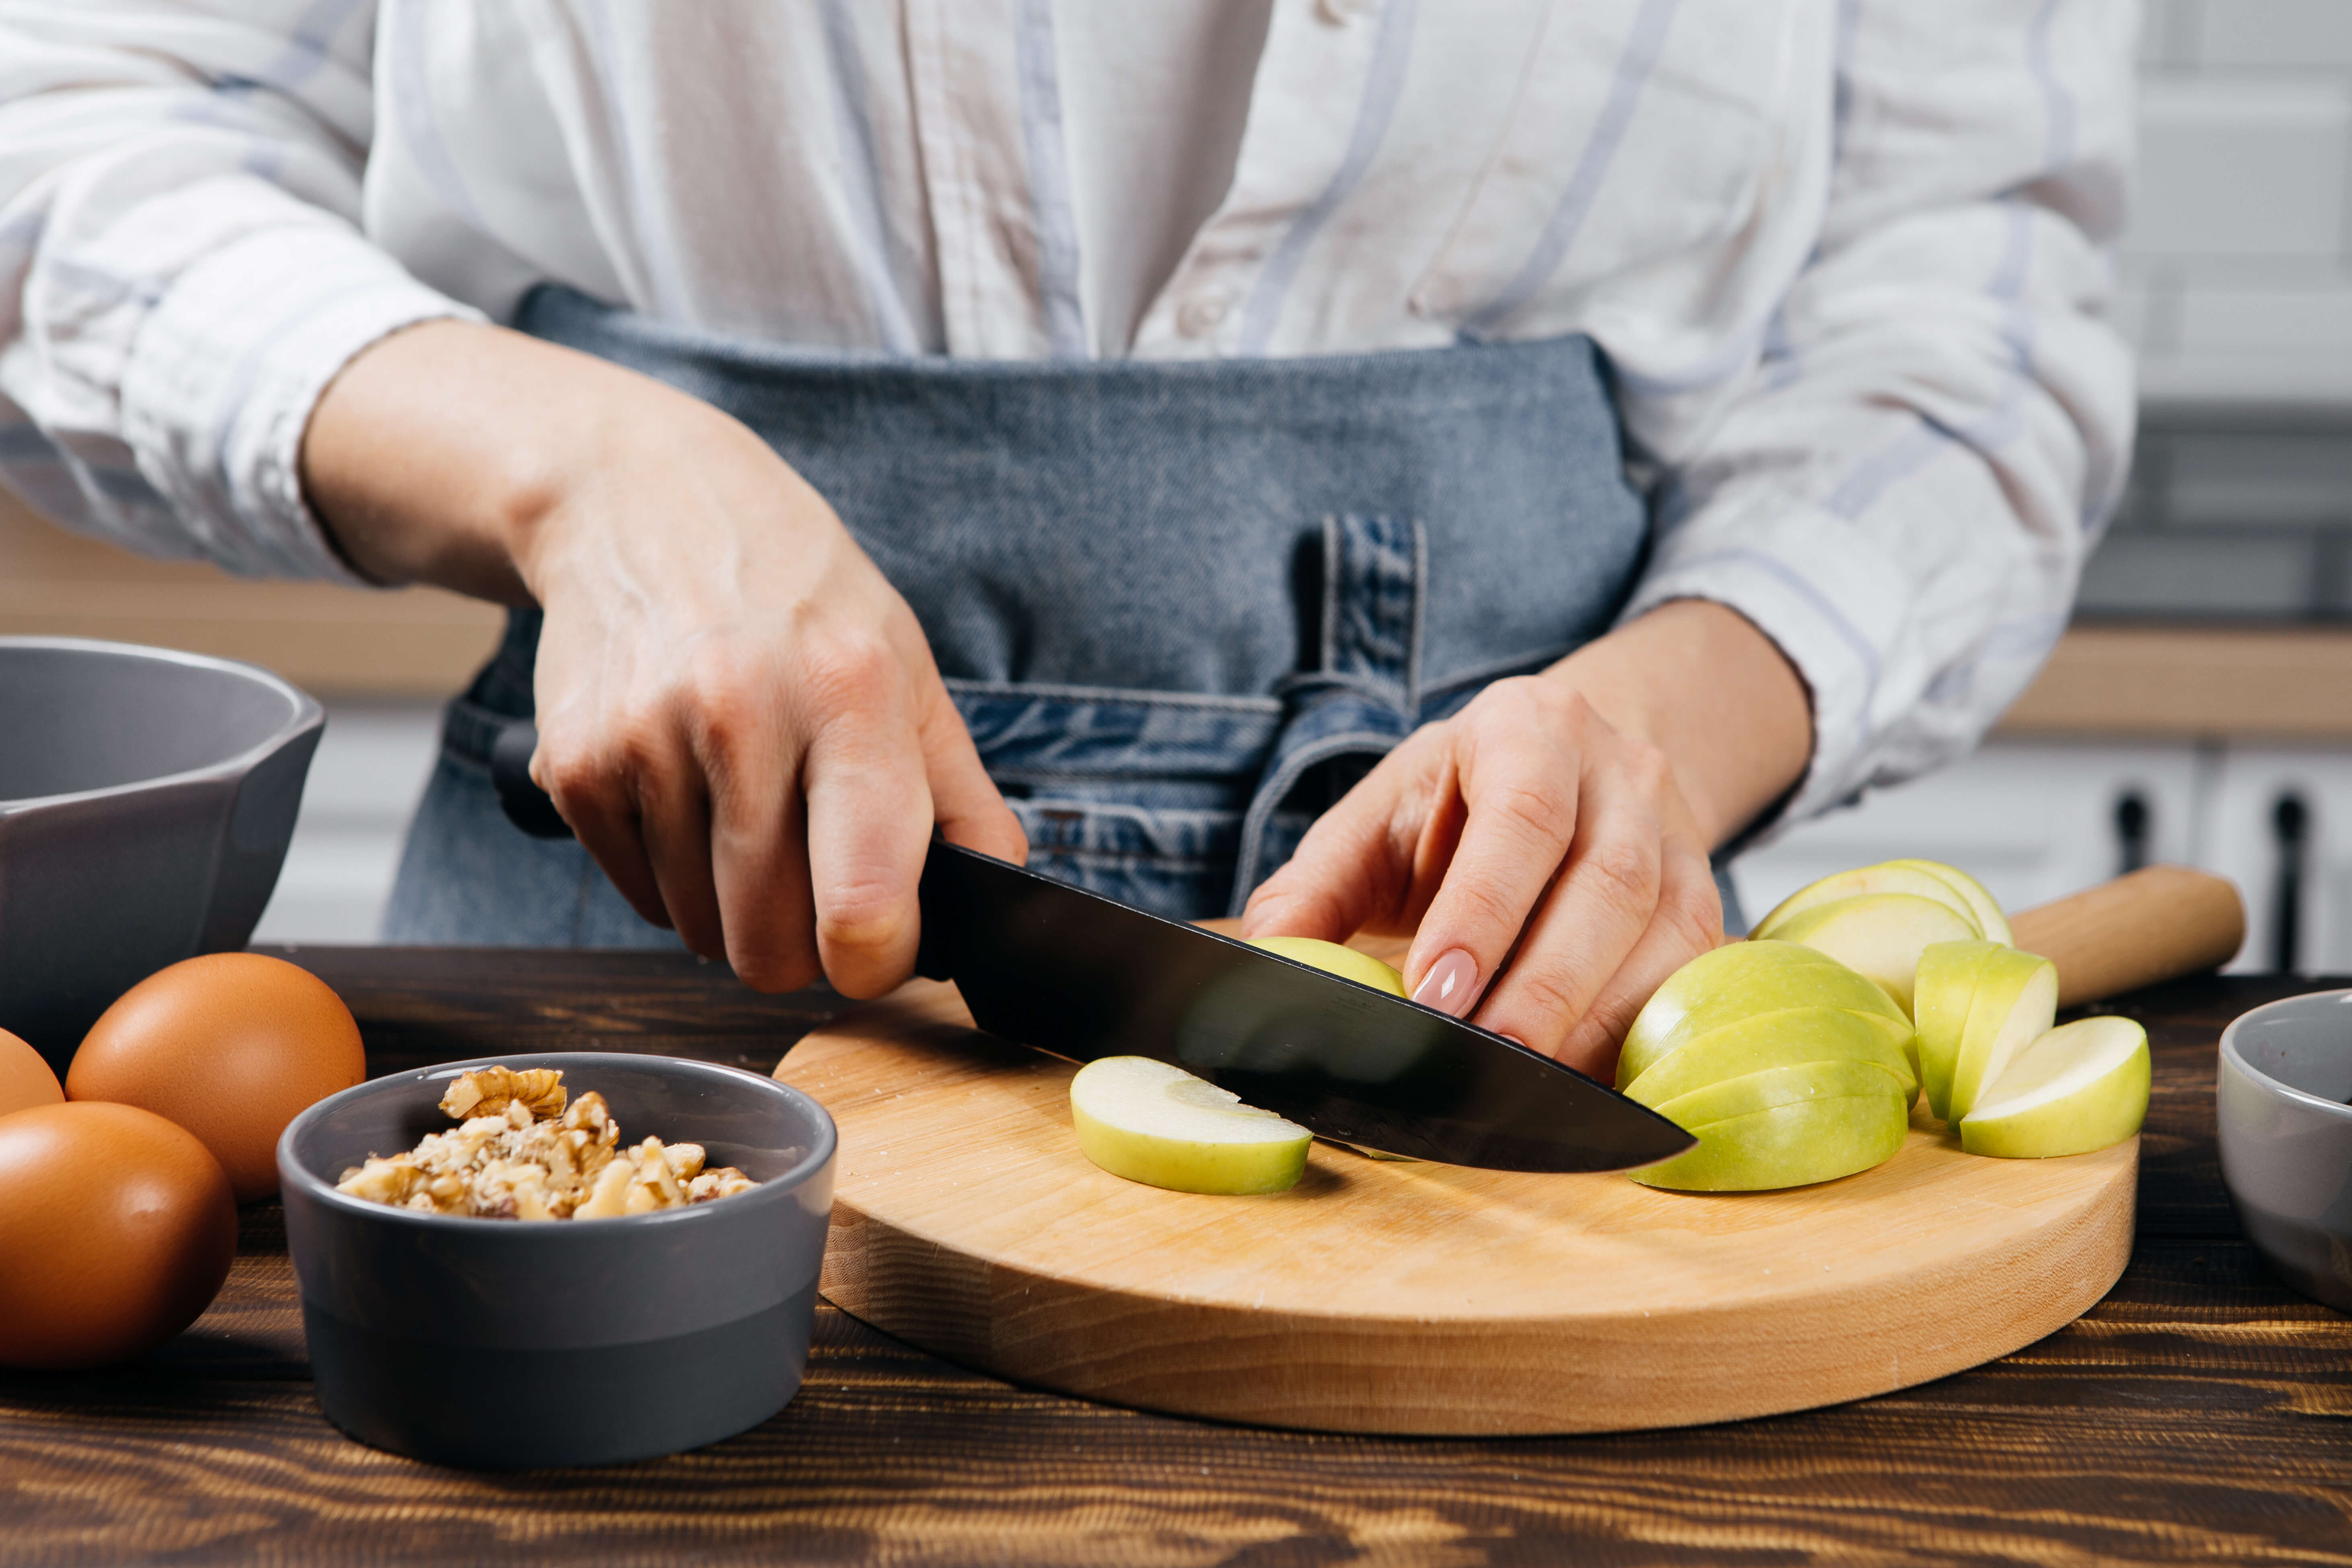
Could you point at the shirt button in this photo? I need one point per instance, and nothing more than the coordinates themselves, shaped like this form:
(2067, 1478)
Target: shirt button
(1340, 13)
(1199, 317)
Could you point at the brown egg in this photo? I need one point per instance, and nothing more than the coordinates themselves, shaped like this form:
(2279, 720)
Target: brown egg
(232, 1046)
(116, 1230)
(26, 1079)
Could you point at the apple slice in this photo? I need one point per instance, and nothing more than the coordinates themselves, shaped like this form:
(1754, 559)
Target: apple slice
(2081, 1087)
(2016, 997)
(1790, 1037)
(1940, 998)
(1774, 1087)
(1981, 904)
(1742, 980)
(1158, 1124)
(1880, 935)
(1894, 876)
(1790, 1145)
(1335, 958)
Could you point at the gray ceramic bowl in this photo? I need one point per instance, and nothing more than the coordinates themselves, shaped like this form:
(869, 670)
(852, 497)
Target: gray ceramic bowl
(2286, 1138)
(145, 801)
(501, 1344)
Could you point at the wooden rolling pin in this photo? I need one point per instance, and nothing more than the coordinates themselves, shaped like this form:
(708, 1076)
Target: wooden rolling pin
(2158, 923)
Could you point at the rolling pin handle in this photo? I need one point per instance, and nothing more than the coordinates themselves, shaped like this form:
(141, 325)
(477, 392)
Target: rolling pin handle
(527, 805)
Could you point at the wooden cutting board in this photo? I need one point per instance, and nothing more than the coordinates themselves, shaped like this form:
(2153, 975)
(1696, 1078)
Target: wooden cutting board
(1422, 1298)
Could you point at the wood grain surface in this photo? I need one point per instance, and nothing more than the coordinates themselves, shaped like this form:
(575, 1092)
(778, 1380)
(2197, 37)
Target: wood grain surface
(2201, 1413)
(1409, 1297)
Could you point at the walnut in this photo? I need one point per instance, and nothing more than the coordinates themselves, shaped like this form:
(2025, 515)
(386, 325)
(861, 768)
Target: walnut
(521, 1151)
(487, 1091)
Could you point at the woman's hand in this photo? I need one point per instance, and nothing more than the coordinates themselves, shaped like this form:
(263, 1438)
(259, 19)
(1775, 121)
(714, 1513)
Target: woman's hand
(1556, 832)
(739, 717)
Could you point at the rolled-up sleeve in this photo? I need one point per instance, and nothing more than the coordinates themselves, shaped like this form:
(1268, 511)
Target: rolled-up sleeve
(182, 271)
(1903, 496)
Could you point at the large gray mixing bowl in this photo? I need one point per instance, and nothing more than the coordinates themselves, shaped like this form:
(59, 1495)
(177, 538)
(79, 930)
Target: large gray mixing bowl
(146, 797)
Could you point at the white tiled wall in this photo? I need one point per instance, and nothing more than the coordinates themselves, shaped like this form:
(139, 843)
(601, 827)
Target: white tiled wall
(2240, 257)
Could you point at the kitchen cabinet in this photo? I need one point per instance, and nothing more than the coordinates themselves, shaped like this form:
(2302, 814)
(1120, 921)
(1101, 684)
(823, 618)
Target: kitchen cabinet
(2031, 819)
(2036, 818)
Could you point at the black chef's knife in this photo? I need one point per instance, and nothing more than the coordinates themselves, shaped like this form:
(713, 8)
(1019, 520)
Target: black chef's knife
(1046, 964)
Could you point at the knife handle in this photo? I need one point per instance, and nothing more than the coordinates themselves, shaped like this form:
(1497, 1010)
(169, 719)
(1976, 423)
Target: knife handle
(2155, 924)
(527, 805)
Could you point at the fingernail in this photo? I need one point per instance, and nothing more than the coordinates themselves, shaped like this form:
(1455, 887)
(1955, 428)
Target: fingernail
(1450, 984)
(1515, 1040)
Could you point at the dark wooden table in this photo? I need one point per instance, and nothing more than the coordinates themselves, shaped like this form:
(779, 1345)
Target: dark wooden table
(2201, 1413)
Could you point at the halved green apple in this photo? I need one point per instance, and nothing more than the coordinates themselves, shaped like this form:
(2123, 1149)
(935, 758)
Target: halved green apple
(1788, 1037)
(1335, 958)
(1791, 1145)
(2080, 1086)
(2016, 998)
(1981, 904)
(1159, 1125)
(1910, 878)
(1941, 996)
(1879, 935)
(1742, 980)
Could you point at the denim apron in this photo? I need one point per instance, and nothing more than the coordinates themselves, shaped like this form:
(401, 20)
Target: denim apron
(1180, 607)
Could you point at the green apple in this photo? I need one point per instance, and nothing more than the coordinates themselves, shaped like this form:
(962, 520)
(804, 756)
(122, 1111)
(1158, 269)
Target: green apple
(1941, 997)
(1742, 980)
(1879, 935)
(1335, 958)
(1790, 1145)
(1790, 1037)
(1894, 876)
(1158, 1124)
(2016, 997)
(1774, 1087)
(2078, 1088)
(1990, 922)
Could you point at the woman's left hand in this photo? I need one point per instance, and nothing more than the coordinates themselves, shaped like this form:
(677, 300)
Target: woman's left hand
(1551, 865)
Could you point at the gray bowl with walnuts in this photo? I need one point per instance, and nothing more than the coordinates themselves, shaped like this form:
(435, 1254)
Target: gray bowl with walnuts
(610, 1266)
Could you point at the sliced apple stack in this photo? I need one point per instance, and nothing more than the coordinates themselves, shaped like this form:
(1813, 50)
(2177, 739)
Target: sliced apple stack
(1879, 920)
(1787, 1067)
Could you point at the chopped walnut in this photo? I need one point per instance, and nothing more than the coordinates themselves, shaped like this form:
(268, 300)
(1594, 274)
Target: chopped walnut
(521, 1151)
(487, 1091)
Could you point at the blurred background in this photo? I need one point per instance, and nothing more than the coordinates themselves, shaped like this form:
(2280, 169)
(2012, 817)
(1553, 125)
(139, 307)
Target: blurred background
(2199, 711)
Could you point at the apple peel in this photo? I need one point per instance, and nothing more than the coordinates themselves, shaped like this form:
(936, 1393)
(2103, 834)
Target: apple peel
(1334, 958)
(1775, 1087)
(1790, 1145)
(1788, 1037)
(1738, 981)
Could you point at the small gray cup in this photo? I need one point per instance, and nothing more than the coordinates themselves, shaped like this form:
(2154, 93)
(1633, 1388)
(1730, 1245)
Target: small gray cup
(503, 1343)
(2286, 1138)
(146, 798)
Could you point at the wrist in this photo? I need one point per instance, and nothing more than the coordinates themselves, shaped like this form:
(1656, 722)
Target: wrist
(1713, 695)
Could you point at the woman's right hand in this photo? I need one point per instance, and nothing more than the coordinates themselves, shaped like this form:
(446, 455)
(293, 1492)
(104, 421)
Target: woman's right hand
(738, 715)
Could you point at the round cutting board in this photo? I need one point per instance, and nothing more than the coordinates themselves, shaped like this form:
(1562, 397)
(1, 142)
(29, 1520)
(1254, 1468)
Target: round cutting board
(1412, 1298)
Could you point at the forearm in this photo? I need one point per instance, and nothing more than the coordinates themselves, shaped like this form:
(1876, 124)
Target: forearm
(1712, 693)
(439, 454)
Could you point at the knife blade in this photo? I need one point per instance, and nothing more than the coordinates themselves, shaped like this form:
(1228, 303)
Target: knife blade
(1045, 964)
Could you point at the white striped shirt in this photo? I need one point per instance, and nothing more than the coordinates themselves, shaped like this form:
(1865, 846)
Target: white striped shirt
(1848, 258)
